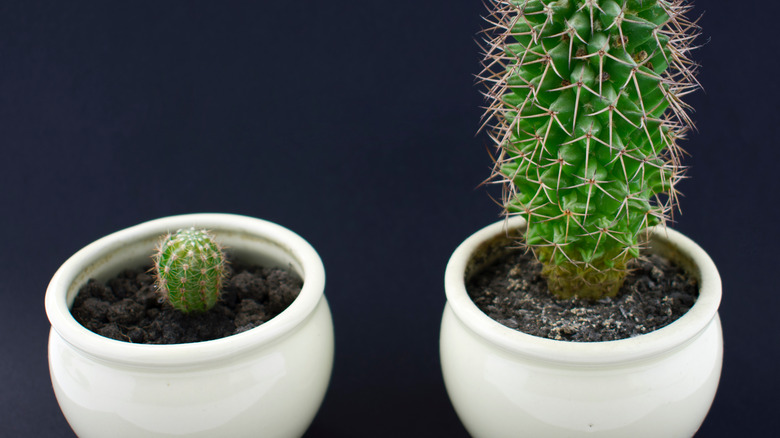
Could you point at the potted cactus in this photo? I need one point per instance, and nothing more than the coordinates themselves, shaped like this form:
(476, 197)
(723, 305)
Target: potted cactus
(585, 108)
(271, 378)
(189, 269)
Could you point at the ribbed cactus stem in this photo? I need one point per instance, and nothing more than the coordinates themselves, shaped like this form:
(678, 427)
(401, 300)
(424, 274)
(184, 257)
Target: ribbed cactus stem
(584, 105)
(190, 268)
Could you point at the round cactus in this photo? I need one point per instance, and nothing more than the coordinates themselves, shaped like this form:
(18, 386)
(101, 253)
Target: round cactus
(190, 268)
(584, 105)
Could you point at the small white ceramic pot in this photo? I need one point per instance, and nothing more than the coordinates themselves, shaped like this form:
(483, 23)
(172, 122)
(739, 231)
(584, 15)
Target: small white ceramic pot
(268, 381)
(504, 383)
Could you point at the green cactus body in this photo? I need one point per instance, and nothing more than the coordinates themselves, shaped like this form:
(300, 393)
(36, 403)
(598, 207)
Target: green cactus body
(584, 106)
(190, 268)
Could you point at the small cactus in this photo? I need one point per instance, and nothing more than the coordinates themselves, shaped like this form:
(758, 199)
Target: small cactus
(584, 105)
(189, 268)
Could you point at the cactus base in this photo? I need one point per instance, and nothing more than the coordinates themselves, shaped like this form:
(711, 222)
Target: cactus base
(586, 282)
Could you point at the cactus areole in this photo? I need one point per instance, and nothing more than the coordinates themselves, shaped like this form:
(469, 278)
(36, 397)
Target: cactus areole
(583, 103)
(190, 268)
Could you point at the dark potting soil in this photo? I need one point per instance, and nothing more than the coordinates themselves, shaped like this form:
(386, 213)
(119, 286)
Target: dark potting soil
(128, 308)
(513, 292)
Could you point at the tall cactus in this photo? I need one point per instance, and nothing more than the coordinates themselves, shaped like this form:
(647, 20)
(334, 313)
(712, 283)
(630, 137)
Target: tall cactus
(189, 268)
(584, 105)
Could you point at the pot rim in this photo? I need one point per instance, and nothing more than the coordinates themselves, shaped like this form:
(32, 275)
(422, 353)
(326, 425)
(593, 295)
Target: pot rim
(197, 353)
(660, 341)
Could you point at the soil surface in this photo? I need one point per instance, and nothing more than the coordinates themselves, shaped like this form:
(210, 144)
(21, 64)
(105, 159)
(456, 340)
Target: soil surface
(128, 308)
(513, 292)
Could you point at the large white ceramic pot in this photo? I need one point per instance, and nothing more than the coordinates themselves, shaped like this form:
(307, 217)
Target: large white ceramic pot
(504, 383)
(268, 381)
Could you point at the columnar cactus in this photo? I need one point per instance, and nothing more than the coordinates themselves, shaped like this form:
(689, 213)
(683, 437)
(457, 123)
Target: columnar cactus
(189, 268)
(584, 107)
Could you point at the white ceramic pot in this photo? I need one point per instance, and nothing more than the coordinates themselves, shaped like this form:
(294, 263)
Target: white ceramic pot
(504, 383)
(268, 381)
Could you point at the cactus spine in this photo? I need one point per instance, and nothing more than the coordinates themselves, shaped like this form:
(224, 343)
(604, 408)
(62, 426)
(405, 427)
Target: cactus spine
(189, 268)
(583, 103)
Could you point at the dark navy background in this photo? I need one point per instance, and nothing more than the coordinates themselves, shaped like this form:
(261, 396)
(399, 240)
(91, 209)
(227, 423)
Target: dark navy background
(352, 123)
